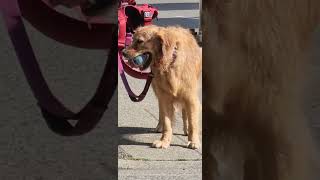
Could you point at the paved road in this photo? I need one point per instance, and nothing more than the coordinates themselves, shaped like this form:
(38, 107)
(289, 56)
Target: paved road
(138, 120)
(172, 12)
(28, 149)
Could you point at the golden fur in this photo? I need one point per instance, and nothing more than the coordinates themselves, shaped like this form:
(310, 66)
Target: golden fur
(255, 55)
(175, 78)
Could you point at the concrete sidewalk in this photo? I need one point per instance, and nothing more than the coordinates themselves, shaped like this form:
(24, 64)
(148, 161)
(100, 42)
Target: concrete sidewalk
(137, 160)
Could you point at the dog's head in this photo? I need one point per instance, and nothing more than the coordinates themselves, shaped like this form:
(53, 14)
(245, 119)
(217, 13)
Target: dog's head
(151, 41)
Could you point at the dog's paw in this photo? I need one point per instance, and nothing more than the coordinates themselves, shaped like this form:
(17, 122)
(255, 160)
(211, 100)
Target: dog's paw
(193, 145)
(161, 144)
(159, 128)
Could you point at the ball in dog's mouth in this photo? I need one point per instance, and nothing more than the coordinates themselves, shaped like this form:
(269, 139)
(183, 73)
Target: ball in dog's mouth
(142, 61)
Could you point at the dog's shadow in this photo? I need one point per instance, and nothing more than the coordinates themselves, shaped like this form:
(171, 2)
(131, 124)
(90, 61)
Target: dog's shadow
(125, 133)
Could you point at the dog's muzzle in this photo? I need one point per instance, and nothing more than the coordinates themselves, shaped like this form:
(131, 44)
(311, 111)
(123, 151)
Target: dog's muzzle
(141, 61)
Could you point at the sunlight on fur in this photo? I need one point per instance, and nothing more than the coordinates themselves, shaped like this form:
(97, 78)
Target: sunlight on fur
(176, 66)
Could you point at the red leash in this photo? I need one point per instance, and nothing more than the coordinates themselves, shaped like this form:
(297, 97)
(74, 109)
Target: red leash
(68, 31)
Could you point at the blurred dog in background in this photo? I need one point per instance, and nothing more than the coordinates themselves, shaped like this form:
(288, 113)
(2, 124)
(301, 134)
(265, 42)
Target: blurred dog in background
(256, 56)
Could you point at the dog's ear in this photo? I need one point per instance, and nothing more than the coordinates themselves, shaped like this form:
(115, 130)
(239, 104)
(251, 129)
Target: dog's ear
(166, 44)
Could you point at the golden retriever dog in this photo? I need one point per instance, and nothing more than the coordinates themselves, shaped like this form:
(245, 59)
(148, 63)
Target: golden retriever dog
(176, 66)
(255, 58)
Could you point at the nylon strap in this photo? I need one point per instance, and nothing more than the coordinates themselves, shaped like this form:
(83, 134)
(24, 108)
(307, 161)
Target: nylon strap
(54, 112)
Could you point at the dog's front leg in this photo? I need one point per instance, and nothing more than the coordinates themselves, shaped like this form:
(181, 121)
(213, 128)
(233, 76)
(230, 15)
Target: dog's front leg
(159, 127)
(168, 117)
(193, 108)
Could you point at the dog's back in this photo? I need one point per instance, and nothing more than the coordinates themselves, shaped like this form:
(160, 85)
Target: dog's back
(188, 47)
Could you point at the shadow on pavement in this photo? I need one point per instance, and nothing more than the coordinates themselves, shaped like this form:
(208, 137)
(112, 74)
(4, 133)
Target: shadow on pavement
(126, 132)
(135, 130)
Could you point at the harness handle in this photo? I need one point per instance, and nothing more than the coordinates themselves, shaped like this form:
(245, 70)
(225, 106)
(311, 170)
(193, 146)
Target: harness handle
(93, 111)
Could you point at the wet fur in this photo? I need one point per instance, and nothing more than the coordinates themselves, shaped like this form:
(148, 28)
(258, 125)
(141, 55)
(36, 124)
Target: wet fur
(256, 56)
(175, 80)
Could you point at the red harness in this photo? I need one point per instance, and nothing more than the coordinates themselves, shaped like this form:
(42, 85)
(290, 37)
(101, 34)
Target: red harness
(131, 16)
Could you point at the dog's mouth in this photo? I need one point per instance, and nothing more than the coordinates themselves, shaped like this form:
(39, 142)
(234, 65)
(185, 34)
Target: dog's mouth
(141, 61)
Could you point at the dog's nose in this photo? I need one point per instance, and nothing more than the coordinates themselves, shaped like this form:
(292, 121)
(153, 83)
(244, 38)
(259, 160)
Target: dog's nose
(124, 53)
